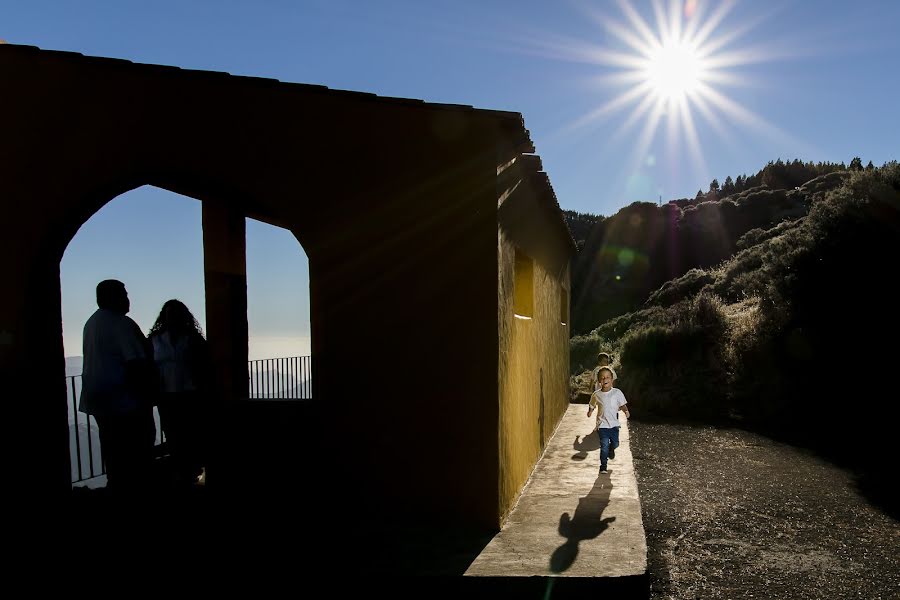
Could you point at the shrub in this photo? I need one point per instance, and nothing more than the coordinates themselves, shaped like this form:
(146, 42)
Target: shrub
(683, 287)
(678, 369)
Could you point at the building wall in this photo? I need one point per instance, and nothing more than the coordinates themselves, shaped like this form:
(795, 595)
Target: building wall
(534, 358)
(394, 202)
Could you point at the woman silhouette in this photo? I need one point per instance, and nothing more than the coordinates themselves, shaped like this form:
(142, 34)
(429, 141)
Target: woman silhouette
(181, 355)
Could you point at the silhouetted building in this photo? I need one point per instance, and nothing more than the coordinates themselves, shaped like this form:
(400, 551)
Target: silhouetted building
(438, 259)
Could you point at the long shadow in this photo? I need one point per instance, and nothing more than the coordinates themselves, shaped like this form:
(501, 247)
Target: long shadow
(584, 444)
(586, 524)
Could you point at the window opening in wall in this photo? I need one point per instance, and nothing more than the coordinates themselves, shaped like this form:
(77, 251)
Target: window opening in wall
(278, 319)
(151, 240)
(524, 285)
(563, 305)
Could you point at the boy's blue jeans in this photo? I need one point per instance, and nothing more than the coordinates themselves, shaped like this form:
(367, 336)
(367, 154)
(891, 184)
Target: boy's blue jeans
(609, 438)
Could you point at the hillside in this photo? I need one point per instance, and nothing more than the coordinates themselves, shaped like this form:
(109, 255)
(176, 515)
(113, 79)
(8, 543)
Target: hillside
(623, 258)
(790, 335)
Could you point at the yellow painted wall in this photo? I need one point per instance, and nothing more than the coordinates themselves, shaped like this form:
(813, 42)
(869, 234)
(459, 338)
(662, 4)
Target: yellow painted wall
(534, 358)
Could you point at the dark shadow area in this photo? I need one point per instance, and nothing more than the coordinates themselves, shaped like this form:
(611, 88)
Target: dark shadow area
(585, 524)
(872, 466)
(719, 503)
(500, 588)
(385, 548)
(584, 444)
(871, 461)
(249, 535)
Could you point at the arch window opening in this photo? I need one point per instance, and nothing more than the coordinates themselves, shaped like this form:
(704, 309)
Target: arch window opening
(278, 318)
(151, 240)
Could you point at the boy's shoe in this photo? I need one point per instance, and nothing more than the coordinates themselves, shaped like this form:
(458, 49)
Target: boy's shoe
(612, 454)
(603, 470)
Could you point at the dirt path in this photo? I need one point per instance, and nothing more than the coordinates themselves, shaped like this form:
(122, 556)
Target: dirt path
(731, 514)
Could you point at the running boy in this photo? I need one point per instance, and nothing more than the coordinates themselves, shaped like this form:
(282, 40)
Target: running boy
(608, 401)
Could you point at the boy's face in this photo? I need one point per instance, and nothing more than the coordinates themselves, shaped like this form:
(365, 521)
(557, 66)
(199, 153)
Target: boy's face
(603, 361)
(606, 380)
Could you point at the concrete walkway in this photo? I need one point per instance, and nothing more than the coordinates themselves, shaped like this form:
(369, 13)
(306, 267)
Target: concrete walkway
(571, 522)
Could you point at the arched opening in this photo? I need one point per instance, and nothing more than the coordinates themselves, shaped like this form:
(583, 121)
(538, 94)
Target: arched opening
(151, 240)
(279, 339)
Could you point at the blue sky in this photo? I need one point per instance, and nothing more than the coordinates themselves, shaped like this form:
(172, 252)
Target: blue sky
(810, 79)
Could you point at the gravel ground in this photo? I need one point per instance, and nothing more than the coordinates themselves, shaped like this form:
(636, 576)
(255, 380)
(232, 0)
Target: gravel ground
(732, 514)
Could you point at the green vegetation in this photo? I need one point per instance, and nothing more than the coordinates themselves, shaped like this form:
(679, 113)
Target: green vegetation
(793, 334)
(581, 224)
(624, 258)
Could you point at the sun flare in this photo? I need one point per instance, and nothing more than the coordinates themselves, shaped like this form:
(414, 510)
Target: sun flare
(675, 70)
(665, 66)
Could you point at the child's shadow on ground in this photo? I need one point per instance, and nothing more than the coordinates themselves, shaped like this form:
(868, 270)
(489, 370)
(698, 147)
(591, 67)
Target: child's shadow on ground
(584, 444)
(586, 524)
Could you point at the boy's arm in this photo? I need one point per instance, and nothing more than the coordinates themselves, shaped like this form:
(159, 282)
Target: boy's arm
(624, 408)
(591, 403)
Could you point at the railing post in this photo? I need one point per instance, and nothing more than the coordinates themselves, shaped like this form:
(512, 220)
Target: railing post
(77, 432)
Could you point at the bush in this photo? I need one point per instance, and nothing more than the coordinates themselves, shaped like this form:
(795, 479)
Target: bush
(583, 352)
(678, 369)
(683, 287)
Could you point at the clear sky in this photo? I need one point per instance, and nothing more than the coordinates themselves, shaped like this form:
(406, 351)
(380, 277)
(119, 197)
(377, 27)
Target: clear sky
(625, 101)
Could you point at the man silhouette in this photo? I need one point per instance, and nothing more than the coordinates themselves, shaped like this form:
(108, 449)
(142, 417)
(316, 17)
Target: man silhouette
(116, 388)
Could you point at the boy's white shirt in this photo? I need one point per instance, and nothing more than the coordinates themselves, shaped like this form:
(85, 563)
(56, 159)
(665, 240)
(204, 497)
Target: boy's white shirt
(607, 405)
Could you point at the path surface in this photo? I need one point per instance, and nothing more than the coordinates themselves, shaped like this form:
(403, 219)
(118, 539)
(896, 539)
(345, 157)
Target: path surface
(570, 521)
(731, 514)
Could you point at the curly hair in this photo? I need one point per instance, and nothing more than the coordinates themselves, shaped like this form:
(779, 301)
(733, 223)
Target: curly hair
(174, 314)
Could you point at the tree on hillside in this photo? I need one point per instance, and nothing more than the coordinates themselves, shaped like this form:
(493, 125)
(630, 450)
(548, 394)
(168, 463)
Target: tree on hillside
(856, 164)
(580, 225)
(870, 166)
(714, 186)
(728, 186)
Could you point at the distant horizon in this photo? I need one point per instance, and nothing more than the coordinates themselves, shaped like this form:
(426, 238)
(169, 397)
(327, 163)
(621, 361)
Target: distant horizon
(263, 348)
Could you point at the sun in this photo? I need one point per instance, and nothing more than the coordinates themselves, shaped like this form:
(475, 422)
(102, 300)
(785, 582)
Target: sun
(664, 66)
(674, 70)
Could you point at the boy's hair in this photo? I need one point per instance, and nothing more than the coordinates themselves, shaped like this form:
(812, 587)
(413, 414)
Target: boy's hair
(611, 372)
(604, 355)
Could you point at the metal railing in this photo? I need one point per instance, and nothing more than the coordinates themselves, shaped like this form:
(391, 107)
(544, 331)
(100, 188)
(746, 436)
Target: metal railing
(85, 454)
(287, 378)
(83, 445)
(283, 378)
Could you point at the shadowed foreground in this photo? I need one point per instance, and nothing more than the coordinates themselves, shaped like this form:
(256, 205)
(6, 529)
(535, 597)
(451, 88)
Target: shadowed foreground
(730, 514)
